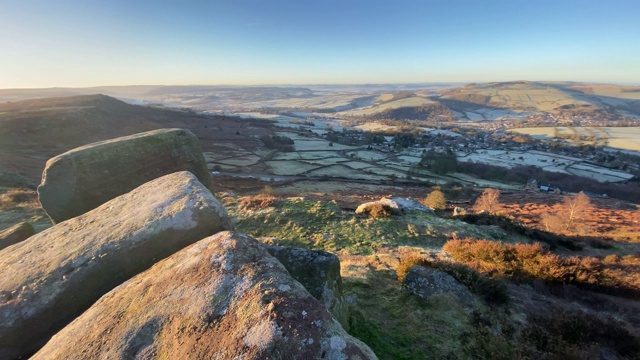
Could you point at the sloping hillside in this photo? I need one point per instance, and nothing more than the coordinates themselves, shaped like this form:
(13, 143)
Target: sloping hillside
(475, 101)
(32, 131)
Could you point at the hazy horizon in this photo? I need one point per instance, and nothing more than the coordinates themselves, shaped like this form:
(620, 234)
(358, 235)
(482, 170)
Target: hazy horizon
(253, 43)
(416, 84)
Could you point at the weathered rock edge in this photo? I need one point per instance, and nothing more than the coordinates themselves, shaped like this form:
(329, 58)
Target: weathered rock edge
(16, 234)
(224, 297)
(86, 177)
(318, 271)
(52, 277)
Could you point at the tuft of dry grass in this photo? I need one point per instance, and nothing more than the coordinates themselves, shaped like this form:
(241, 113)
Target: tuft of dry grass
(378, 210)
(256, 202)
(14, 198)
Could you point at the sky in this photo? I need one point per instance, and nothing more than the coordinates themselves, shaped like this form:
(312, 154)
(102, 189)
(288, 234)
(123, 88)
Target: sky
(84, 43)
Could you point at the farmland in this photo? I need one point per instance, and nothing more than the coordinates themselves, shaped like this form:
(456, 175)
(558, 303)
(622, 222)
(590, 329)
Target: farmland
(617, 138)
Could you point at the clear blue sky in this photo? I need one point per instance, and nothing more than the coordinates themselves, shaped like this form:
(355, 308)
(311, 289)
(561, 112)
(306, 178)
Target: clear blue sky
(124, 42)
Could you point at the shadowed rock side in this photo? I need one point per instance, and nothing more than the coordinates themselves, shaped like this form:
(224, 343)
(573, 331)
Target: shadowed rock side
(86, 177)
(49, 279)
(425, 282)
(224, 297)
(317, 271)
(15, 234)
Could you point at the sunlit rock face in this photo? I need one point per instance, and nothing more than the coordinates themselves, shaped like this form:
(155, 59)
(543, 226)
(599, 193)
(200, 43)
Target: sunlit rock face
(223, 297)
(15, 234)
(52, 277)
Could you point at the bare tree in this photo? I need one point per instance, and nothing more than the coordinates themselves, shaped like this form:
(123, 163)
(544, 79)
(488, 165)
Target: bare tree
(574, 209)
(489, 201)
(551, 222)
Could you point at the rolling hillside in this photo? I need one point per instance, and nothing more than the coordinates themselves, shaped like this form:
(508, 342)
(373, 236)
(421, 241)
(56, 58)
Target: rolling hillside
(33, 131)
(487, 101)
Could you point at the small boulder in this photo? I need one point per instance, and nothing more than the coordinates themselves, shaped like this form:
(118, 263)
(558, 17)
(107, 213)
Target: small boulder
(409, 204)
(397, 206)
(15, 234)
(52, 277)
(459, 211)
(224, 297)
(425, 282)
(368, 206)
(317, 271)
(86, 177)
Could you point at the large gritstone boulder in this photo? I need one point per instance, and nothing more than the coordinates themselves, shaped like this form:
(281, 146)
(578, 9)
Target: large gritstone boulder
(52, 277)
(15, 234)
(317, 271)
(87, 177)
(224, 297)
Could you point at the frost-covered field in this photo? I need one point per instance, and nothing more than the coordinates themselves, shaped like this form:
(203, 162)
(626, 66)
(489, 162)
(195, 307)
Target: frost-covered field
(548, 162)
(510, 159)
(376, 108)
(333, 101)
(622, 138)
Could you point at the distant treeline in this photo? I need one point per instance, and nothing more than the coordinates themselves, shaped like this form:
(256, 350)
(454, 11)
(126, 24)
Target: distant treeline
(280, 143)
(423, 112)
(629, 191)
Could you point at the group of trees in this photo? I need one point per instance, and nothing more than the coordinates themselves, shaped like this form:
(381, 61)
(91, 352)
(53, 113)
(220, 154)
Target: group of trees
(439, 163)
(280, 143)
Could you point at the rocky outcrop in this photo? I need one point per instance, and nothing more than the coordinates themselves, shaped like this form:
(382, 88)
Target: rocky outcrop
(317, 271)
(15, 234)
(55, 275)
(86, 177)
(224, 297)
(397, 206)
(426, 282)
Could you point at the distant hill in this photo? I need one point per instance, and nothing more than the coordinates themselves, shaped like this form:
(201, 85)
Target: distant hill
(487, 100)
(33, 131)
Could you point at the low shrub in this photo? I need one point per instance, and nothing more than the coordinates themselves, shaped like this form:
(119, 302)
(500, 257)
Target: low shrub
(378, 210)
(532, 261)
(16, 197)
(435, 200)
(549, 238)
(408, 261)
(256, 202)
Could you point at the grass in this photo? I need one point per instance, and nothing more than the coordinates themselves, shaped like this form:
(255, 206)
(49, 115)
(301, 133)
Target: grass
(322, 225)
(18, 205)
(13, 198)
(398, 325)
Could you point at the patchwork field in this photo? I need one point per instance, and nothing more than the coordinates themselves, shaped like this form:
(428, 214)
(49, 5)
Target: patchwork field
(619, 138)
